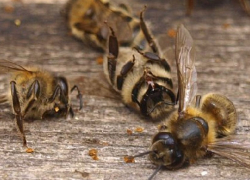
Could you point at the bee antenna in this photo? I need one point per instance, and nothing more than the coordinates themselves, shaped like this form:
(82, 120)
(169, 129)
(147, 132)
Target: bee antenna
(141, 14)
(111, 29)
(155, 172)
(142, 154)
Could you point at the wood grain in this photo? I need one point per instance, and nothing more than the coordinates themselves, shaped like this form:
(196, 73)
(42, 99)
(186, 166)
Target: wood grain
(61, 146)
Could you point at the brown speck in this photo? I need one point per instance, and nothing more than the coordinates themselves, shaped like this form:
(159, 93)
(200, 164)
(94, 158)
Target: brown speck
(93, 154)
(226, 26)
(129, 132)
(172, 33)
(129, 159)
(99, 60)
(29, 150)
(95, 158)
(139, 129)
(8, 9)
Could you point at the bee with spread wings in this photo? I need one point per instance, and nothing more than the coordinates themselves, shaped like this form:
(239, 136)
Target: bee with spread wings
(36, 94)
(201, 126)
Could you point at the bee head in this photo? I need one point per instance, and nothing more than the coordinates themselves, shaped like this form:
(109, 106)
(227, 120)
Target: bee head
(165, 151)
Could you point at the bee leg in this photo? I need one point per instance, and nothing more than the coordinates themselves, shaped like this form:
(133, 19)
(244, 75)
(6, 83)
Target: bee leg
(71, 112)
(59, 92)
(154, 58)
(190, 7)
(155, 172)
(147, 35)
(33, 92)
(79, 95)
(34, 89)
(124, 71)
(143, 104)
(17, 110)
(113, 49)
(245, 6)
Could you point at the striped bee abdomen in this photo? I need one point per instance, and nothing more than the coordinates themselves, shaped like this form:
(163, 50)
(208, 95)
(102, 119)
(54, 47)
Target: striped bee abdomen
(142, 78)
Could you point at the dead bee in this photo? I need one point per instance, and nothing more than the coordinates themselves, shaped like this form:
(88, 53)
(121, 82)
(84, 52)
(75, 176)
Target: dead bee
(190, 5)
(201, 126)
(86, 19)
(142, 78)
(36, 94)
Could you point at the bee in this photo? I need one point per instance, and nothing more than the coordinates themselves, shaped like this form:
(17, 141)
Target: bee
(190, 5)
(36, 94)
(142, 78)
(201, 126)
(85, 19)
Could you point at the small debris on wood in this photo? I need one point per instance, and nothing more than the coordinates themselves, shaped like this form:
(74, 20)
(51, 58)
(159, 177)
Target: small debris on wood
(129, 132)
(17, 22)
(8, 9)
(139, 129)
(99, 60)
(29, 150)
(129, 159)
(93, 154)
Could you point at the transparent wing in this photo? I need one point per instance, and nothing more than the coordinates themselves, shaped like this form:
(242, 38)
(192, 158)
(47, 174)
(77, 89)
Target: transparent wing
(6, 66)
(96, 86)
(186, 72)
(233, 147)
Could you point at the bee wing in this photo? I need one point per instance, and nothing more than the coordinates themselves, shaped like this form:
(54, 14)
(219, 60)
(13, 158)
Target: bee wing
(6, 66)
(96, 86)
(186, 72)
(232, 147)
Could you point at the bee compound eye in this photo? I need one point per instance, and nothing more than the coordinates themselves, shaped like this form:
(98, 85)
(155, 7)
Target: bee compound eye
(203, 124)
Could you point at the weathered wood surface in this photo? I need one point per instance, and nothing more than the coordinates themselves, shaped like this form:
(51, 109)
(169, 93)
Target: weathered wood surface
(61, 146)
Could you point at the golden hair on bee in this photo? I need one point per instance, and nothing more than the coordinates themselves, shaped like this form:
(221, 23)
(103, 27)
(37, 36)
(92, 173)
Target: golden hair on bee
(85, 19)
(201, 126)
(142, 78)
(36, 94)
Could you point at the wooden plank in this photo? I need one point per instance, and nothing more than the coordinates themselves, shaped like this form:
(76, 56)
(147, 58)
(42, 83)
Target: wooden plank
(61, 146)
